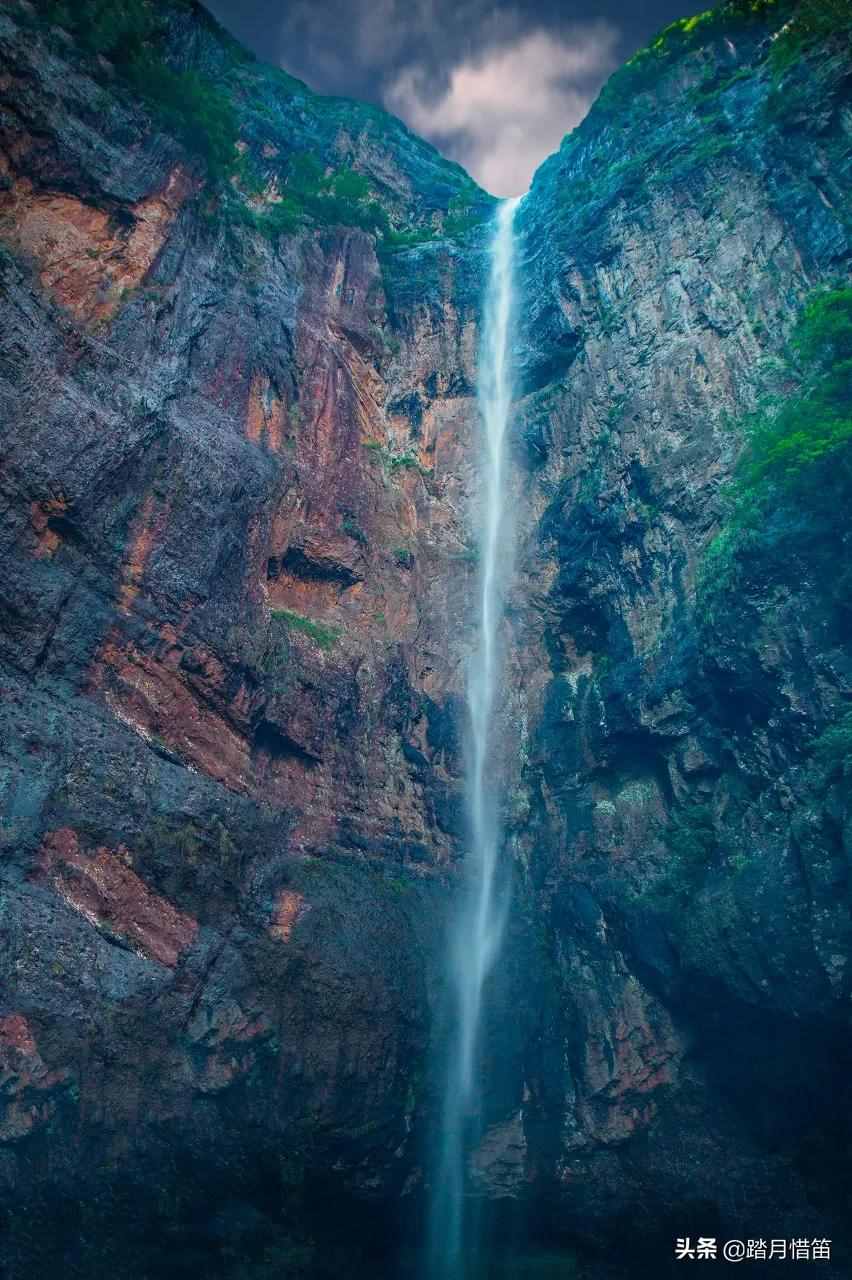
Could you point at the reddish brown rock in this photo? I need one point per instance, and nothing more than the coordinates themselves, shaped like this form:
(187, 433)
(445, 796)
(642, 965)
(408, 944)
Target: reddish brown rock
(25, 1080)
(102, 887)
(266, 414)
(85, 259)
(289, 906)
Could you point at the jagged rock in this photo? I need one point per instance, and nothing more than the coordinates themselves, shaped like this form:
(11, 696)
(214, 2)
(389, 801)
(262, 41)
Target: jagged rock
(237, 577)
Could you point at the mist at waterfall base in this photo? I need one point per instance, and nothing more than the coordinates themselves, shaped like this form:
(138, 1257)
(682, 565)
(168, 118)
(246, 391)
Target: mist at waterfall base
(479, 919)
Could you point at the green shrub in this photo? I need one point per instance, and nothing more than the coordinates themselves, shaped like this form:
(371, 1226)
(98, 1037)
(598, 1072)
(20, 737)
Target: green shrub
(130, 33)
(352, 529)
(812, 22)
(832, 750)
(117, 29)
(468, 208)
(406, 461)
(193, 108)
(691, 838)
(802, 441)
(393, 460)
(793, 483)
(311, 197)
(395, 240)
(403, 557)
(322, 634)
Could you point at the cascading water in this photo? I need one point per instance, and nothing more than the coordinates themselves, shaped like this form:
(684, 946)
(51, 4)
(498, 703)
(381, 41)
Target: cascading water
(478, 925)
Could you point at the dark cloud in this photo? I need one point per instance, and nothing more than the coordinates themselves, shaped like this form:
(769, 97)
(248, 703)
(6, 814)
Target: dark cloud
(496, 86)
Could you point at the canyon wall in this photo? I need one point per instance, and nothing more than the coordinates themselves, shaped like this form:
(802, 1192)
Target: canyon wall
(237, 566)
(685, 855)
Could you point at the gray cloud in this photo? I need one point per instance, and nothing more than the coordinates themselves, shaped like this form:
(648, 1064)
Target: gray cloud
(503, 111)
(494, 83)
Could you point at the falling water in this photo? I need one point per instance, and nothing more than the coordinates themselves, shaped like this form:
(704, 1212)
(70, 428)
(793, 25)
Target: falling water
(479, 922)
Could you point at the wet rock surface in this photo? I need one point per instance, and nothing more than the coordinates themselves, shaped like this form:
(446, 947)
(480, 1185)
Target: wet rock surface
(236, 579)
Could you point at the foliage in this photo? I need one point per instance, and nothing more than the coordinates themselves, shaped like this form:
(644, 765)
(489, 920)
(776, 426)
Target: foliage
(311, 196)
(462, 213)
(812, 22)
(465, 210)
(322, 634)
(116, 29)
(352, 529)
(403, 557)
(274, 660)
(803, 441)
(691, 838)
(343, 196)
(193, 108)
(130, 33)
(406, 461)
(395, 239)
(393, 460)
(640, 73)
(832, 750)
(788, 500)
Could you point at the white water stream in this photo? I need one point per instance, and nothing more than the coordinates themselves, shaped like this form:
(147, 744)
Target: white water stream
(478, 927)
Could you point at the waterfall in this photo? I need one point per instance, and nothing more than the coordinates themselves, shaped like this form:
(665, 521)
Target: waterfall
(478, 925)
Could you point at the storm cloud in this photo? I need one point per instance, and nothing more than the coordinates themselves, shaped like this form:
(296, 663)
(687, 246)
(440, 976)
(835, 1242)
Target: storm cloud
(505, 110)
(495, 86)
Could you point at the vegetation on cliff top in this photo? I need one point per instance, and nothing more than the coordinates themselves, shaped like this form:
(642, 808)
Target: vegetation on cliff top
(616, 151)
(135, 37)
(797, 27)
(131, 35)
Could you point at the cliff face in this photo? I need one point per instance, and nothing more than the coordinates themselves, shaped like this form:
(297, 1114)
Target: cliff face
(688, 857)
(237, 567)
(236, 574)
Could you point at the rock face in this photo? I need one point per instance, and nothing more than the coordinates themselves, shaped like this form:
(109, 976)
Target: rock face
(237, 567)
(686, 868)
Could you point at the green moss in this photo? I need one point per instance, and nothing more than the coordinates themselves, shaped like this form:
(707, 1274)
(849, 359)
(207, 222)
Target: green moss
(321, 634)
(403, 557)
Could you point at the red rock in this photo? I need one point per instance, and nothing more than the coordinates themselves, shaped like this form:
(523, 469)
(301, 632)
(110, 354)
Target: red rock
(105, 890)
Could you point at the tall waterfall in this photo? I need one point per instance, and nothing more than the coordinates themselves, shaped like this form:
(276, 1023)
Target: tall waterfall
(478, 926)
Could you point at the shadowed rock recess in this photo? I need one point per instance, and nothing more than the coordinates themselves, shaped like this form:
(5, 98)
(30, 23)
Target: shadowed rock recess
(238, 350)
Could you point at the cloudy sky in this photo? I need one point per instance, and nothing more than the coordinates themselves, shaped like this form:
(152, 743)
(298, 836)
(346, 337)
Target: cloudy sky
(494, 85)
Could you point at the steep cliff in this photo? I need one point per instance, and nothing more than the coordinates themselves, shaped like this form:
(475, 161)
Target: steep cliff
(685, 848)
(237, 350)
(235, 577)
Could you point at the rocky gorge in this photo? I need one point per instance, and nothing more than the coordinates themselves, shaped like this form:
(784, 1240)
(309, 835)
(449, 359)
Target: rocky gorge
(238, 350)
